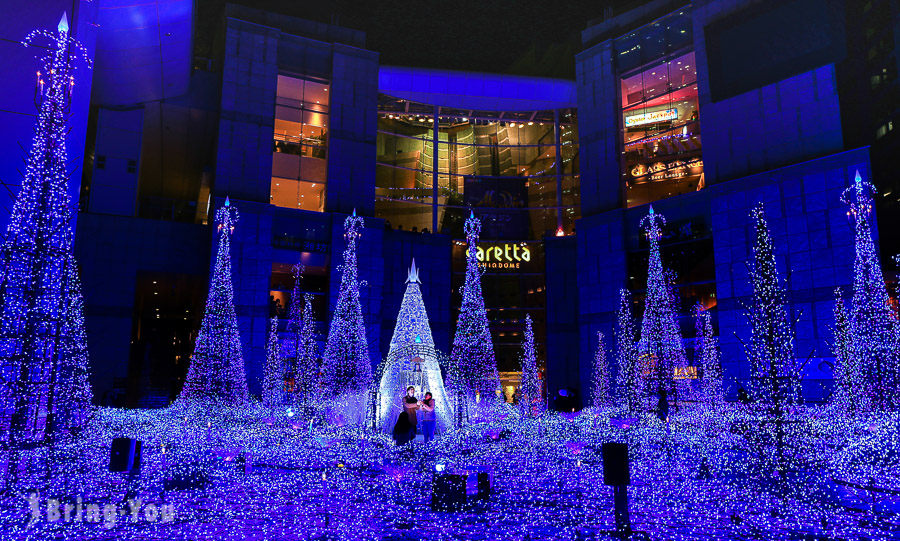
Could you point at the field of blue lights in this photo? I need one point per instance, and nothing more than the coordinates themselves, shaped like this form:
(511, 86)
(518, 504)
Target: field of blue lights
(705, 475)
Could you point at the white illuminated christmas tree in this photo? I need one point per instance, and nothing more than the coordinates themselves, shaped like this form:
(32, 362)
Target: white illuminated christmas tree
(412, 360)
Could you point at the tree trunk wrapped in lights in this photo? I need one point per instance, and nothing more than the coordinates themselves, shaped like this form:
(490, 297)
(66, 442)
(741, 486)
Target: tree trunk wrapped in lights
(346, 368)
(771, 351)
(44, 389)
(530, 388)
(712, 392)
(660, 348)
(628, 376)
(273, 377)
(873, 324)
(473, 370)
(600, 395)
(216, 372)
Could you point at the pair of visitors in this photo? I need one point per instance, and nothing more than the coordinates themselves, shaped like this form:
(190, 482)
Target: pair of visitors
(407, 422)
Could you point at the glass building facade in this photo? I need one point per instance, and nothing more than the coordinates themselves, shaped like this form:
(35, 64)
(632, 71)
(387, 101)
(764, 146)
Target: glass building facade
(660, 111)
(517, 171)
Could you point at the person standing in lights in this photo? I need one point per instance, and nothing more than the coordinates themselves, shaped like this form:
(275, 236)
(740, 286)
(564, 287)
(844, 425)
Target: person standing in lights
(411, 405)
(428, 418)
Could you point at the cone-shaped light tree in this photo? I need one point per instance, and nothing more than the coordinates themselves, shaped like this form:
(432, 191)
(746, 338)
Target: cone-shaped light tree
(660, 348)
(44, 390)
(216, 372)
(530, 389)
(306, 365)
(873, 325)
(628, 377)
(473, 366)
(412, 360)
(600, 395)
(346, 368)
(771, 349)
(300, 344)
(712, 392)
(849, 391)
(273, 377)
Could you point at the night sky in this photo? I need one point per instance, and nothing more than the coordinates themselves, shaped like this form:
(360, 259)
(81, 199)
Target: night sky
(502, 36)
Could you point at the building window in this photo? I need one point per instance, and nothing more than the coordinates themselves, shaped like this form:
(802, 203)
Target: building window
(300, 145)
(502, 164)
(660, 113)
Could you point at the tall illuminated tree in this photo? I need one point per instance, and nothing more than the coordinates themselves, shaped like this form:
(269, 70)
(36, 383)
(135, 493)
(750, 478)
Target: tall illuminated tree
(600, 395)
(273, 376)
(473, 366)
(300, 344)
(771, 350)
(712, 392)
(628, 376)
(216, 372)
(530, 389)
(44, 390)
(660, 347)
(346, 368)
(306, 363)
(873, 325)
(849, 391)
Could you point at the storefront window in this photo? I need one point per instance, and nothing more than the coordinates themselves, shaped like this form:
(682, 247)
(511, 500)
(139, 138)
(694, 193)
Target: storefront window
(661, 148)
(300, 144)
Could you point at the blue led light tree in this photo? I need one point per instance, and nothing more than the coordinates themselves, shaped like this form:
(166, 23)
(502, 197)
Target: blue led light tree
(771, 352)
(600, 395)
(300, 345)
(849, 391)
(44, 390)
(346, 368)
(707, 355)
(273, 376)
(660, 348)
(628, 375)
(216, 372)
(873, 325)
(473, 366)
(530, 389)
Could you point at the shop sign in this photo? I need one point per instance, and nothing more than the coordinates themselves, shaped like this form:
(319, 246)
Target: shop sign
(651, 118)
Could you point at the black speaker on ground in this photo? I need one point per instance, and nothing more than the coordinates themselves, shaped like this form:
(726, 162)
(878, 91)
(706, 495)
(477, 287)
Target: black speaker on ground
(484, 485)
(616, 471)
(125, 455)
(448, 492)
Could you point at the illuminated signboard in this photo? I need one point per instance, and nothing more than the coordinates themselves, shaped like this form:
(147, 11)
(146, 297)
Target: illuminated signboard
(506, 255)
(651, 118)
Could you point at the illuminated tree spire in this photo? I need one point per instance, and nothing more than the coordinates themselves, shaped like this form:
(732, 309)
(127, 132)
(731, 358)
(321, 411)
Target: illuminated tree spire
(771, 350)
(628, 376)
(660, 346)
(708, 358)
(473, 367)
(273, 378)
(43, 353)
(873, 325)
(216, 371)
(530, 388)
(346, 366)
(600, 395)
